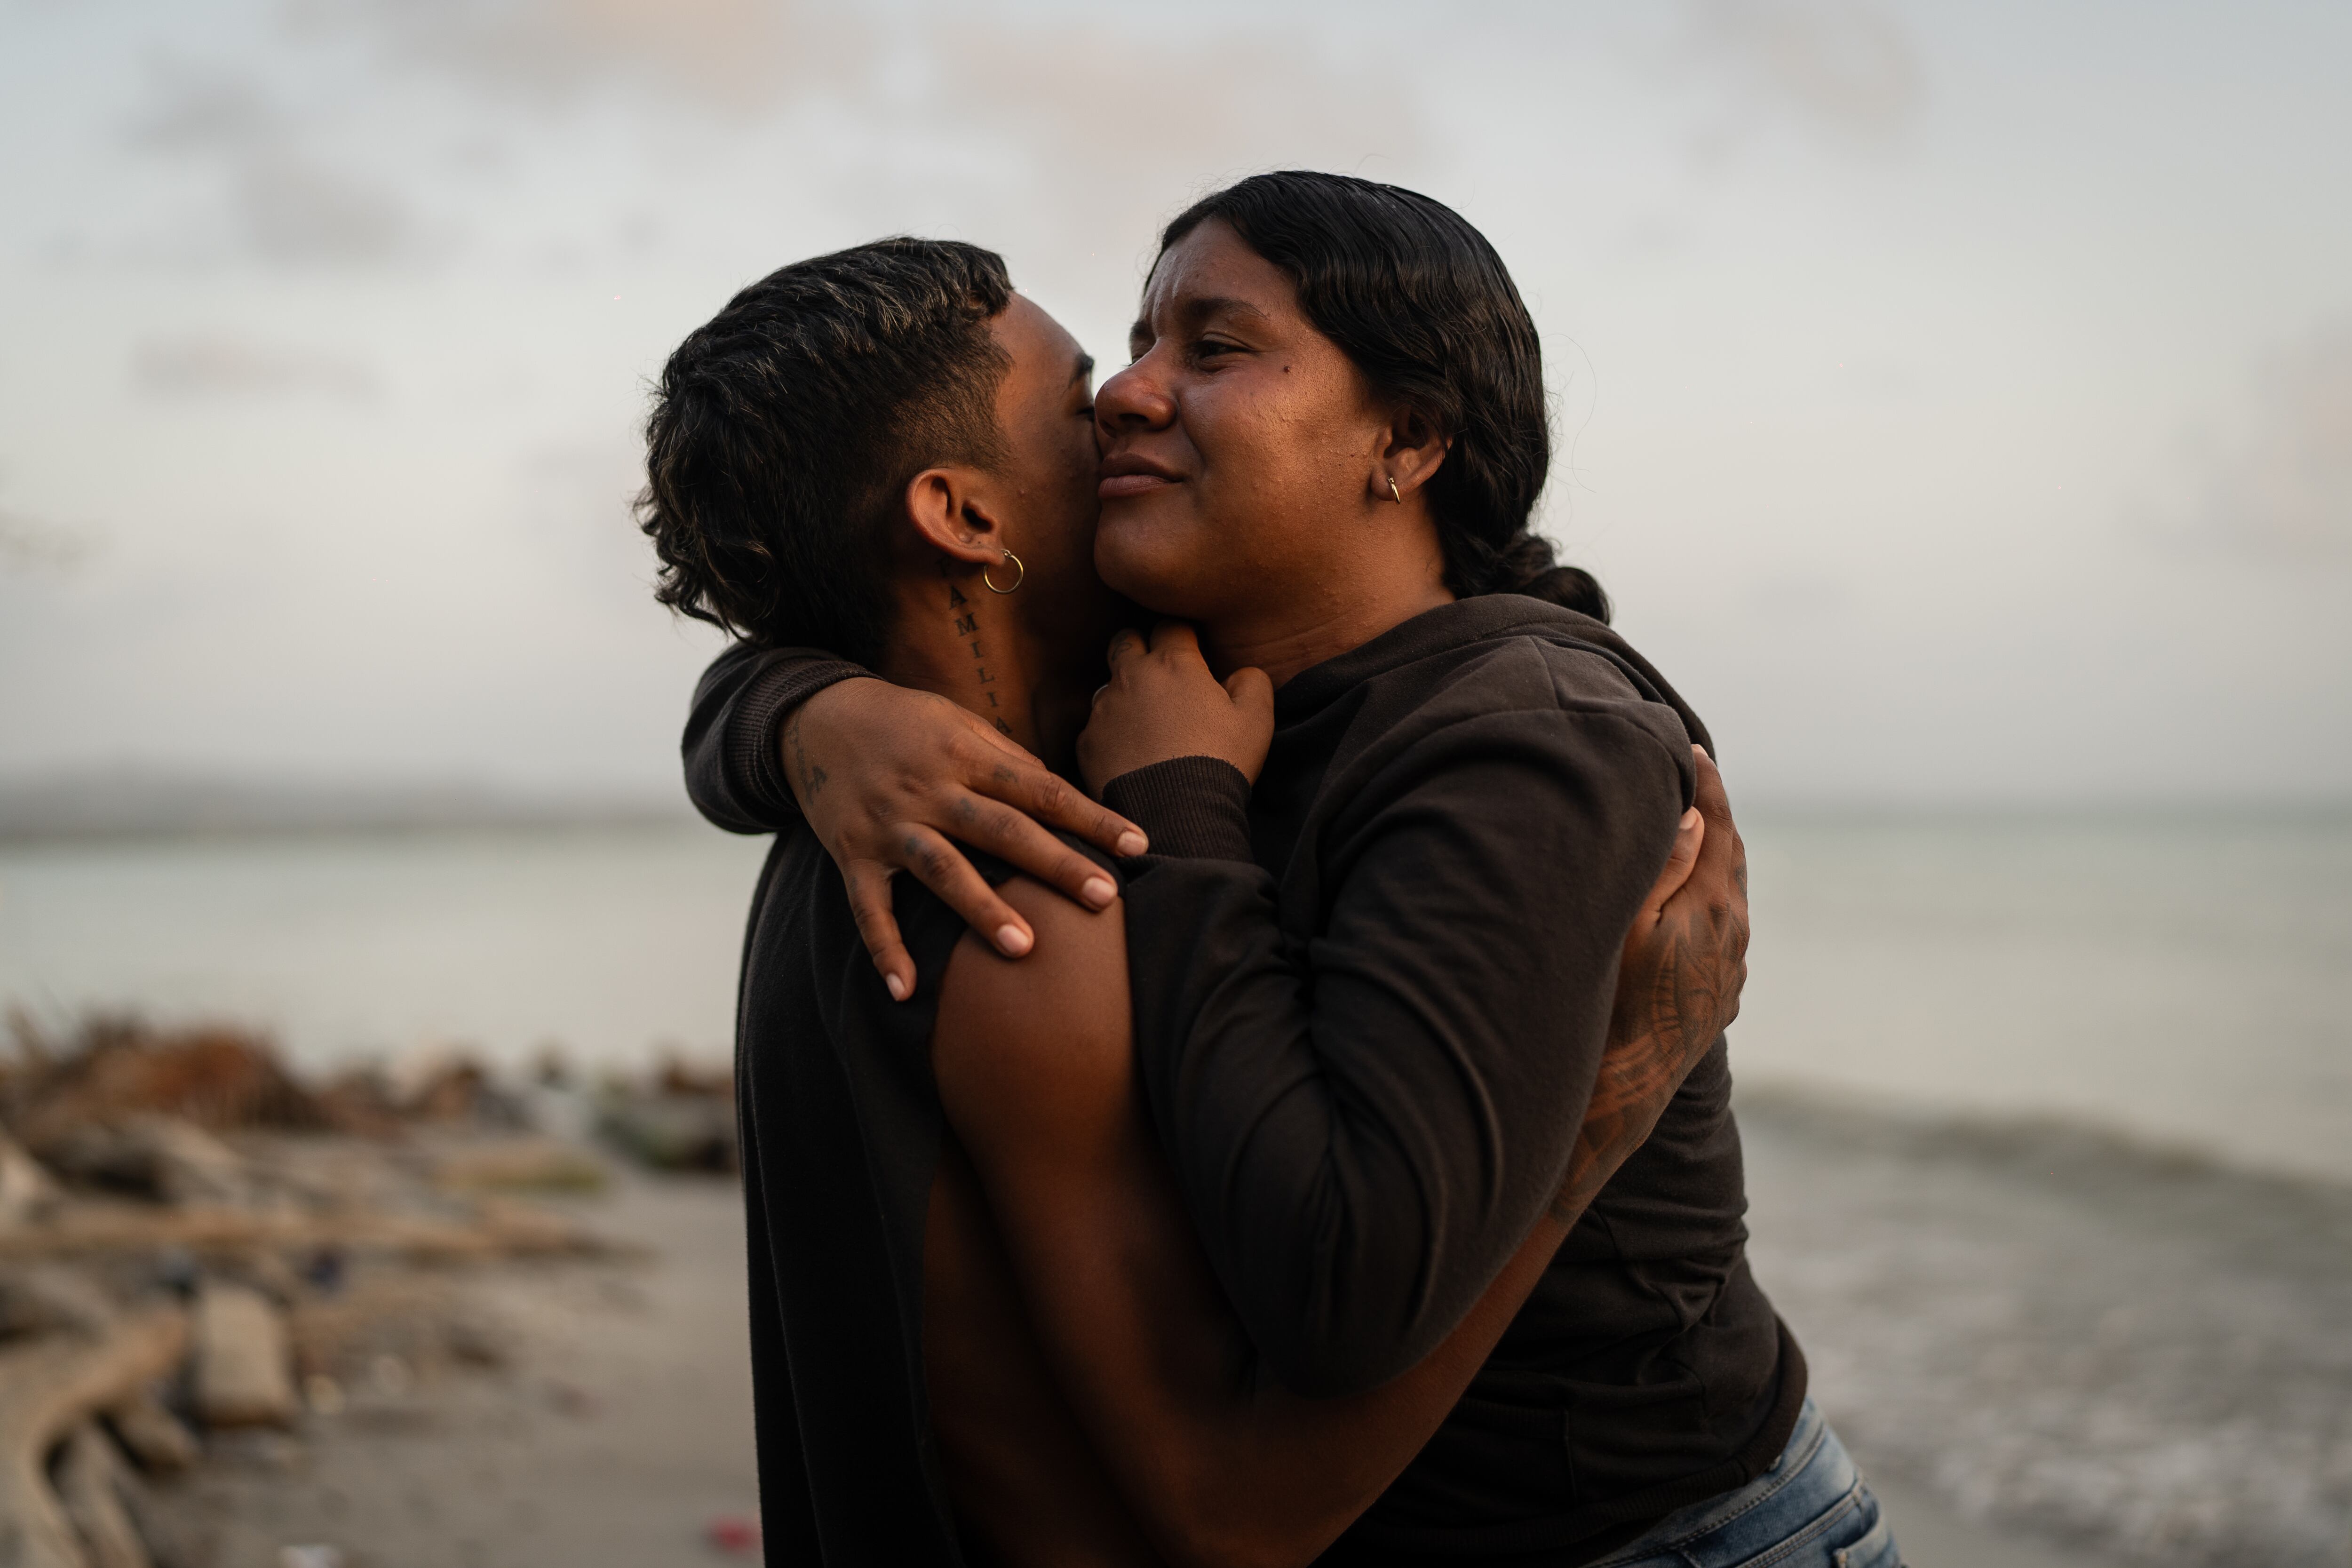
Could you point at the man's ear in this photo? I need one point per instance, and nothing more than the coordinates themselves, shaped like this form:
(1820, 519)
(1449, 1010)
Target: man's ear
(1410, 455)
(951, 512)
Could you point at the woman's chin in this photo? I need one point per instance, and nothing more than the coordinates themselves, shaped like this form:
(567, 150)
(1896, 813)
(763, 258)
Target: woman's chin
(1149, 560)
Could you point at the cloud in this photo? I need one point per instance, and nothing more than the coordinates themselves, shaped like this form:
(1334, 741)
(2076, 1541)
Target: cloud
(2285, 489)
(728, 55)
(28, 544)
(1847, 66)
(215, 367)
(297, 212)
(193, 111)
(283, 203)
(927, 113)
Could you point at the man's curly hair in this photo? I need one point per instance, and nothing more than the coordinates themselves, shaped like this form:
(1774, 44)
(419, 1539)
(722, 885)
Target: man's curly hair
(784, 431)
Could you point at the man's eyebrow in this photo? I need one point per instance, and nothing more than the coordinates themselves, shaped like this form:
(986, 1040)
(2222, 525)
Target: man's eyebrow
(1083, 368)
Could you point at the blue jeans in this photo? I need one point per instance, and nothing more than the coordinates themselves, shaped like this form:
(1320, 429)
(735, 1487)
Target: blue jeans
(1808, 1510)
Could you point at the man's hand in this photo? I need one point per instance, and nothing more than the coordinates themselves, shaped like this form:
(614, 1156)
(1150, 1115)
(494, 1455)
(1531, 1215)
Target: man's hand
(1162, 703)
(1678, 988)
(886, 776)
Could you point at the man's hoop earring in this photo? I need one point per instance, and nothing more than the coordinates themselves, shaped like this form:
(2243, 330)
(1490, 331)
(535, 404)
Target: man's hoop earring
(1017, 582)
(1392, 491)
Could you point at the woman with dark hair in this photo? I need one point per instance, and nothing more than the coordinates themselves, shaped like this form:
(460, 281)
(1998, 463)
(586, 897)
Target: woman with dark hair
(1401, 802)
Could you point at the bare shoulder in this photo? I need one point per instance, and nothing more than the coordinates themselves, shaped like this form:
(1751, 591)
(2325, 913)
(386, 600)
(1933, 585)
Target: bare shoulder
(1037, 1039)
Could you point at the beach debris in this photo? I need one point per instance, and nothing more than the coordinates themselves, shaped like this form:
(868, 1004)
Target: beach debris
(158, 1439)
(527, 1164)
(460, 1090)
(684, 1120)
(495, 1228)
(113, 1067)
(737, 1534)
(92, 1482)
(182, 1219)
(38, 1299)
(26, 1191)
(243, 1366)
(48, 1387)
(160, 1158)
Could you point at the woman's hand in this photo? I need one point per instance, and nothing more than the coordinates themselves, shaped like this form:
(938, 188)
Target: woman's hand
(885, 775)
(1162, 703)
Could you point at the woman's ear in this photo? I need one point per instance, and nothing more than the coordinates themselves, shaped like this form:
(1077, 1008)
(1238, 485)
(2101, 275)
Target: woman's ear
(950, 511)
(1410, 455)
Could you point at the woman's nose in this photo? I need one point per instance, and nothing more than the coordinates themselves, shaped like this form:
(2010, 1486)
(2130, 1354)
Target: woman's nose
(1134, 399)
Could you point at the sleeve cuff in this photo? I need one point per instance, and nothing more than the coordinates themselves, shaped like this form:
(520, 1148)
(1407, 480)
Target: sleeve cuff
(755, 735)
(1194, 808)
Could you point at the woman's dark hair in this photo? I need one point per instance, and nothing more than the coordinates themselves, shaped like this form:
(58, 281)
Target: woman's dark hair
(1426, 310)
(785, 429)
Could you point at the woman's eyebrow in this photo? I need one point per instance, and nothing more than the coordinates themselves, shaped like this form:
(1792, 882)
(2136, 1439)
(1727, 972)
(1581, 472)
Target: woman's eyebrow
(1201, 308)
(1194, 309)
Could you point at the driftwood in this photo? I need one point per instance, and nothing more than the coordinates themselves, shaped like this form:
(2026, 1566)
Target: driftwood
(90, 1479)
(48, 1388)
(159, 1157)
(94, 1228)
(52, 1298)
(243, 1365)
(154, 1437)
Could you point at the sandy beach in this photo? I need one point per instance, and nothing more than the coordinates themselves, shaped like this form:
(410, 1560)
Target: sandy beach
(618, 1431)
(2006, 1419)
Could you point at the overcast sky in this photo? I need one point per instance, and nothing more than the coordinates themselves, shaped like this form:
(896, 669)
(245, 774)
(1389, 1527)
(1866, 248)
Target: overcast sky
(1956, 397)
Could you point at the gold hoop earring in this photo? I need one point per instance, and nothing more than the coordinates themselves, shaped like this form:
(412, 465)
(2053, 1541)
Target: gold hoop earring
(1017, 582)
(1392, 491)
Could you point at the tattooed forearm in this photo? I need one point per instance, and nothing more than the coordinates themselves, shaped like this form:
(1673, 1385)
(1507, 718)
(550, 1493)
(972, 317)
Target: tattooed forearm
(1670, 1011)
(811, 777)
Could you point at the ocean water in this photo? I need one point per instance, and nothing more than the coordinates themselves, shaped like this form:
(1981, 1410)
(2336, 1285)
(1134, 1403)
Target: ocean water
(610, 943)
(2049, 1121)
(2184, 981)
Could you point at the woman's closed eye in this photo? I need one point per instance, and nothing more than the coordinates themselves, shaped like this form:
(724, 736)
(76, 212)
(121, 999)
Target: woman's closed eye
(1214, 348)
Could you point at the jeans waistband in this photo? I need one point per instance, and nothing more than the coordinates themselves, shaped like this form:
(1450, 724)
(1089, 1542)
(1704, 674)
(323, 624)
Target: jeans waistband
(1811, 1476)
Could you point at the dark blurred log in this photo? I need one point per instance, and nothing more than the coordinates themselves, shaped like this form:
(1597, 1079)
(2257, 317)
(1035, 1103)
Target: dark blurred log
(498, 1230)
(158, 1439)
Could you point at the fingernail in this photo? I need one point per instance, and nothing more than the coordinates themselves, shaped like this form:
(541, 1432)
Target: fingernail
(1690, 820)
(1012, 939)
(897, 987)
(1098, 892)
(1131, 843)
